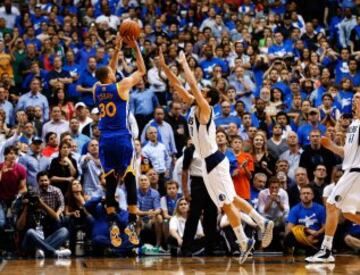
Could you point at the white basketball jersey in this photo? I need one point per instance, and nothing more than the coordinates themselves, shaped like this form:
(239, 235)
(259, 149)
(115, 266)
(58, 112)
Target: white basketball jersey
(352, 146)
(203, 136)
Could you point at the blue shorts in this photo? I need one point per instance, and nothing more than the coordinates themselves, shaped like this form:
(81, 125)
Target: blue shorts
(116, 152)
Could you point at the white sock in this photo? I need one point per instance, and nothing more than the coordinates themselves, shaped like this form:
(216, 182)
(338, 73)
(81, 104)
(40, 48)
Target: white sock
(327, 242)
(260, 221)
(241, 236)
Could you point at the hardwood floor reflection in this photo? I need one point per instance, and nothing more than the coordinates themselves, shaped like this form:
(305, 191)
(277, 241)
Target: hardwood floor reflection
(278, 265)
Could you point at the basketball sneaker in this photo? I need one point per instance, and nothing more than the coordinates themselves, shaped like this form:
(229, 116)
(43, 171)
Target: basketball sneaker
(115, 238)
(267, 234)
(324, 255)
(245, 254)
(131, 232)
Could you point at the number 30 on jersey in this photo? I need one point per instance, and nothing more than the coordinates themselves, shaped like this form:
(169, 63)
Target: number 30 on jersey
(108, 109)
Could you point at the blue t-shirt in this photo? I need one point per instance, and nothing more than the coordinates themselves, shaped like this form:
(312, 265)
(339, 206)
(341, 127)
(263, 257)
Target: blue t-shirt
(312, 217)
(304, 133)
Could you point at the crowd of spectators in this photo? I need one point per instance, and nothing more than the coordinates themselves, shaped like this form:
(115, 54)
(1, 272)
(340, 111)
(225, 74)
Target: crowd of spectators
(285, 71)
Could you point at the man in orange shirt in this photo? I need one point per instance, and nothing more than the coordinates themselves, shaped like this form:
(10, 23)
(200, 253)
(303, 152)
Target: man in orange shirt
(5, 61)
(242, 175)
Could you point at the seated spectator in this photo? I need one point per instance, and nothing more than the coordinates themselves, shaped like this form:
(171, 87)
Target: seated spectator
(259, 183)
(310, 215)
(274, 205)
(157, 153)
(301, 180)
(319, 183)
(63, 168)
(226, 118)
(39, 221)
(352, 236)
(264, 162)
(52, 143)
(304, 131)
(177, 228)
(92, 171)
(168, 203)
(56, 124)
(149, 210)
(222, 142)
(282, 170)
(245, 167)
(78, 218)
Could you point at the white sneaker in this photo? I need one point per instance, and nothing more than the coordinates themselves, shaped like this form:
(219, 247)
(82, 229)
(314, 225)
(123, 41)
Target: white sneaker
(245, 254)
(322, 256)
(267, 234)
(39, 254)
(63, 253)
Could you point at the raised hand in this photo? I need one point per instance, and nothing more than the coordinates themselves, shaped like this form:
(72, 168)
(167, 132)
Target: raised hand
(182, 58)
(131, 41)
(118, 41)
(161, 58)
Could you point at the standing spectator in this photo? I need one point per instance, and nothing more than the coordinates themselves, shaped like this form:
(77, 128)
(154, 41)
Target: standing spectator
(315, 154)
(243, 173)
(7, 107)
(276, 144)
(319, 183)
(34, 162)
(309, 214)
(142, 104)
(34, 98)
(63, 169)
(93, 180)
(149, 209)
(56, 125)
(5, 61)
(312, 124)
(264, 162)
(58, 76)
(165, 133)
(179, 126)
(52, 144)
(157, 153)
(9, 13)
(345, 27)
(12, 182)
(82, 115)
(156, 79)
(226, 118)
(301, 180)
(292, 155)
(86, 81)
(80, 139)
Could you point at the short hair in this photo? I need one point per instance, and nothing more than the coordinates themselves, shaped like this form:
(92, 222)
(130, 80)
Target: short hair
(10, 149)
(171, 182)
(260, 175)
(102, 73)
(213, 94)
(42, 174)
(273, 180)
(48, 135)
(307, 187)
(236, 137)
(67, 133)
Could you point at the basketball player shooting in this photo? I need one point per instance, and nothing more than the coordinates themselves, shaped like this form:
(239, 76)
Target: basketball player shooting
(116, 142)
(216, 172)
(345, 196)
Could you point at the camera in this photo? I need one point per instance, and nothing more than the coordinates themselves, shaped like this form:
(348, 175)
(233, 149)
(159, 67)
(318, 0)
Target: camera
(32, 197)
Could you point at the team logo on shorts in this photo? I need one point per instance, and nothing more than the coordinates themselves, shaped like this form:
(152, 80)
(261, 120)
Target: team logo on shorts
(222, 197)
(338, 198)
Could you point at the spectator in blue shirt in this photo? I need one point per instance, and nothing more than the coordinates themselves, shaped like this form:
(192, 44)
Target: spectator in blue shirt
(279, 49)
(34, 98)
(222, 141)
(74, 70)
(7, 107)
(79, 138)
(352, 236)
(36, 71)
(313, 123)
(149, 209)
(86, 52)
(226, 118)
(142, 104)
(309, 214)
(353, 74)
(208, 64)
(86, 82)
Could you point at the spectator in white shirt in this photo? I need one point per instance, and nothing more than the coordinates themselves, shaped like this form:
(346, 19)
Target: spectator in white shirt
(156, 79)
(177, 227)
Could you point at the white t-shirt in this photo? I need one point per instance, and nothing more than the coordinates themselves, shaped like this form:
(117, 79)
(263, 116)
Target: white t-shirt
(178, 224)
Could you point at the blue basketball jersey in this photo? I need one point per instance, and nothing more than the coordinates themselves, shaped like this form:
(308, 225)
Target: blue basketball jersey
(113, 108)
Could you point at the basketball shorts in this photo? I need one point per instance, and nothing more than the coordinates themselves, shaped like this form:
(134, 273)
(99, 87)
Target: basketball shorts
(217, 179)
(346, 193)
(116, 152)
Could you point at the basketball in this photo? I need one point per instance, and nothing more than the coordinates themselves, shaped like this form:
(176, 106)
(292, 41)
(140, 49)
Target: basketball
(130, 28)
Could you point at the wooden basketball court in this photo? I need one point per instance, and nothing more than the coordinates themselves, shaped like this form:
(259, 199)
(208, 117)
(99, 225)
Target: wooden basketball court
(346, 264)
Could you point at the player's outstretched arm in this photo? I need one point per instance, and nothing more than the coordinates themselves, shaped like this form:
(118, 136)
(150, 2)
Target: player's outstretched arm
(189, 76)
(330, 145)
(115, 58)
(127, 83)
(174, 81)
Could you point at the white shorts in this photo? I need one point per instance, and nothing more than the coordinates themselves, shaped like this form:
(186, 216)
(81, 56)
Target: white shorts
(346, 193)
(219, 183)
